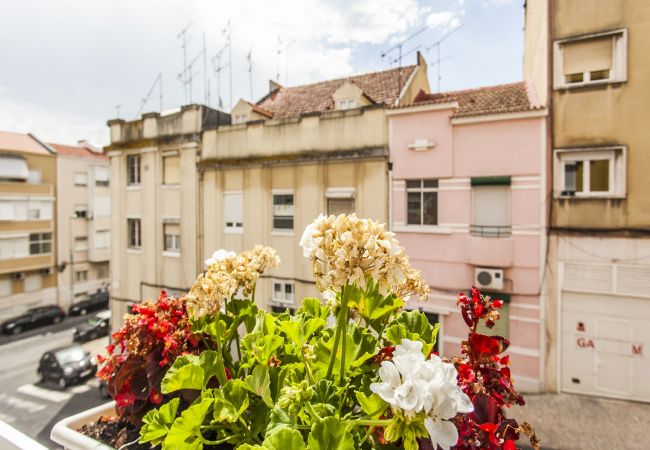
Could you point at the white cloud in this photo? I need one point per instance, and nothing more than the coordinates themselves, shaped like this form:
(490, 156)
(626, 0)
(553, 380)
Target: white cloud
(497, 3)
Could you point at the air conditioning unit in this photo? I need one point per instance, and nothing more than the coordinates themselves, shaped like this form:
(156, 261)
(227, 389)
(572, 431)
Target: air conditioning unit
(46, 271)
(486, 278)
(18, 276)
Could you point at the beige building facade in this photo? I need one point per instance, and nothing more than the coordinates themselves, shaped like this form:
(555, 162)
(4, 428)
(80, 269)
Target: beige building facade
(154, 197)
(28, 176)
(598, 266)
(83, 211)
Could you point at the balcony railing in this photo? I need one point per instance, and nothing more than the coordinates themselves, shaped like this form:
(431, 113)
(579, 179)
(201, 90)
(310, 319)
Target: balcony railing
(490, 231)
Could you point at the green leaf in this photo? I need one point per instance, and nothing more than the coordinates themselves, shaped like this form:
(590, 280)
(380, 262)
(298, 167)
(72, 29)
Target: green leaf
(284, 439)
(243, 311)
(324, 391)
(211, 364)
(359, 347)
(279, 419)
(260, 348)
(185, 373)
(299, 330)
(259, 383)
(373, 307)
(330, 434)
(415, 326)
(157, 422)
(374, 406)
(313, 307)
(185, 433)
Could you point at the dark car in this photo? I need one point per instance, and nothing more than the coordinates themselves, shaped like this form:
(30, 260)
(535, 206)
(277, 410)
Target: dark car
(66, 365)
(93, 328)
(96, 301)
(34, 317)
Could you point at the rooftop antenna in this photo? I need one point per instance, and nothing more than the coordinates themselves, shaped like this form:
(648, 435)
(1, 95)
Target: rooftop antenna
(437, 45)
(143, 102)
(227, 34)
(117, 111)
(286, 62)
(184, 41)
(413, 50)
(398, 47)
(277, 63)
(249, 58)
(187, 76)
(216, 63)
(206, 84)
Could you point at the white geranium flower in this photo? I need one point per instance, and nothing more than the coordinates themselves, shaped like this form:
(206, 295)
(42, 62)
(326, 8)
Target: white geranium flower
(219, 255)
(411, 384)
(308, 243)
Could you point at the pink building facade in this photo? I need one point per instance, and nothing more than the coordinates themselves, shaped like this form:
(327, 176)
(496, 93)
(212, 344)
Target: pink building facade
(467, 202)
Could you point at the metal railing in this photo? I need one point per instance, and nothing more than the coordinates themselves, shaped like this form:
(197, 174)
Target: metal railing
(490, 231)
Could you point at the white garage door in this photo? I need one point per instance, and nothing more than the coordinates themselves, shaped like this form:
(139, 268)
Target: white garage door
(605, 345)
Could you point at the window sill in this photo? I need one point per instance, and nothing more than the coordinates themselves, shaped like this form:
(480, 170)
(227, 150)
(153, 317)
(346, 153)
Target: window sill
(590, 197)
(275, 232)
(423, 229)
(228, 230)
(133, 187)
(172, 254)
(134, 251)
(170, 186)
(585, 84)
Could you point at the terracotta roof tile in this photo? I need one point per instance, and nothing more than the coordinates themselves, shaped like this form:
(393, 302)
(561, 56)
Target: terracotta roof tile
(80, 152)
(20, 142)
(499, 99)
(380, 87)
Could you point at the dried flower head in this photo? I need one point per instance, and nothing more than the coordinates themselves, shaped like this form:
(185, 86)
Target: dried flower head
(228, 273)
(346, 250)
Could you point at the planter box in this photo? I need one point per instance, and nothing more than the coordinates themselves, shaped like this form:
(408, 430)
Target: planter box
(65, 431)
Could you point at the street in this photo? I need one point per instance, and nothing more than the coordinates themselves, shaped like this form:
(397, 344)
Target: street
(33, 407)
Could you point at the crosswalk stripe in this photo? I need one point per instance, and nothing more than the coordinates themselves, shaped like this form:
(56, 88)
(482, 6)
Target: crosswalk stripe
(45, 394)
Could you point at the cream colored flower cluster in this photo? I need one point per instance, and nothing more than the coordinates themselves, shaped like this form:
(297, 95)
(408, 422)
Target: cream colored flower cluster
(346, 250)
(227, 274)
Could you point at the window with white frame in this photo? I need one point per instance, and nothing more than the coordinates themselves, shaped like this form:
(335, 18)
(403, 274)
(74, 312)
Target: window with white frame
(81, 211)
(591, 59)
(33, 283)
(239, 118)
(133, 170)
(340, 201)
(102, 239)
(6, 287)
(172, 237)
(422, 202)
(282, 211)
(171, 169)
(81, 276)
(39, 210)
(12, 246)
(233, 210)
(348, 103)
(80, 179)
(81, 243)
(101, 176)
(283, 292)
(40, 243)
(595, 172)
(491, 207)
(133, 232)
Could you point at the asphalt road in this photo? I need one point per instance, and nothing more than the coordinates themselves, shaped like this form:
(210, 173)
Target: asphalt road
(30, 406)
(68, 323)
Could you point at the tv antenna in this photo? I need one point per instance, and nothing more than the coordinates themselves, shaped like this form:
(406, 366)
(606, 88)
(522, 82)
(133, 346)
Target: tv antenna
(398, 47)
(158, 82)
(117, 111)
(283, 49)
(217, 68)
(184, 41)
(187, 76)
(437, 46)
(249, 58)
(227, 35)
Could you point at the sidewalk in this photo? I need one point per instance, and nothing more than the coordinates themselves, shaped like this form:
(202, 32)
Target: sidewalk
(573, 422)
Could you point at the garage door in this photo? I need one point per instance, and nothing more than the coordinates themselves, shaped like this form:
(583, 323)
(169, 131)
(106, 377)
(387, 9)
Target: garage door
(605, 345)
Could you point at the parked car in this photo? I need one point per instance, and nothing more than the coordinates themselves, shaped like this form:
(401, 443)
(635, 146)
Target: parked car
(66, 365)
(96, 301)
(95, 327)
(33, 317)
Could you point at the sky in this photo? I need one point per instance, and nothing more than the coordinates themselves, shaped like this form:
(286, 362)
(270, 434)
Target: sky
(65, 65)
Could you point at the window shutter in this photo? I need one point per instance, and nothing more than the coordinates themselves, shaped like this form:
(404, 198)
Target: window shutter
(588, 56)
(173, 228)
(490, 204)
(101, 174)
(233, 209)
(13, 168)
(171, 169)
(102, 206)
(33, 283)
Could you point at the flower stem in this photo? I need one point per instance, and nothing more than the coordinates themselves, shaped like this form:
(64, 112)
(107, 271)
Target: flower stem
(221, 370)
(339, 331)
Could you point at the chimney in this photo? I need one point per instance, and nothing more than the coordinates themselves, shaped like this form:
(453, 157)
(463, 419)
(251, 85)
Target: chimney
(88, 146)
(273, 85)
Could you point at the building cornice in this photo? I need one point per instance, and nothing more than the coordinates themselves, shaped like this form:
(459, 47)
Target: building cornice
(500, 116)
(421, 108)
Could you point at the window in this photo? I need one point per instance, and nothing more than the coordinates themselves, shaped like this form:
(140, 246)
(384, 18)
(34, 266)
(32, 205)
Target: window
(171, 169)
(39, 210)
(283, 211)
(12, 247)
(282, 309)
(80, 179)
(81, 243)
(233, 211)
(13, 168)
(340, 200)
(101, 176)
(590, 172)
(81, 211)
(349, 103)
(598, 58)
(283, 292)
(490, 207)
(35, 176)
(40, 243)
(6, 287)
(239, 118)
(172, 236)
(422, 202)
(33, 283)
(501, 326)
(102, 206)
(102, 239)
(80, 276)
(133, 170)
(102, 271)
(133, 229)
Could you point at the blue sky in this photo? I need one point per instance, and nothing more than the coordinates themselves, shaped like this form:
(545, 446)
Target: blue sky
(67, 64)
